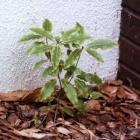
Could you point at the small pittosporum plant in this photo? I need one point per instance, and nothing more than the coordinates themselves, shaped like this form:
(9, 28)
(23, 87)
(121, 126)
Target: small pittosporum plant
(44, 42)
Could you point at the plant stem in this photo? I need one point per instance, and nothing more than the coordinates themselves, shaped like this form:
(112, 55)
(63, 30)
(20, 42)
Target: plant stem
(76, 64)
(46, 41)
(58, 72)
(59, 80)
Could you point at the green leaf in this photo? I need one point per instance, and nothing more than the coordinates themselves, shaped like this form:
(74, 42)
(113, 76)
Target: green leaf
(96, 79)
(75, 35)
(95, 95)
(76, 45)
(69, 32)
(67, 46)
(48, 55)
(95, 55)
(76, 39)
(68, 111)
(42, 32)
(49, 71)
(102, 44)
(70, 92)
(80, 28)
(38, 47)
(77, 71)
(39, 63)
(91, 78)
(47, 25)
(69, 72)
(82, 87)
(47, 90)
(80, 106)
(61, 65)
(69, 51)
(55, 56)
(29, 37)
(58, 39)
(72, 58)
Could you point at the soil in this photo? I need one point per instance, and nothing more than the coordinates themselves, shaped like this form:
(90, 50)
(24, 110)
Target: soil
(115, 116)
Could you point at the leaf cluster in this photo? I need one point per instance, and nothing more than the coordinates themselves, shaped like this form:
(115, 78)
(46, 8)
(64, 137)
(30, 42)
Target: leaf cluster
(44, 42)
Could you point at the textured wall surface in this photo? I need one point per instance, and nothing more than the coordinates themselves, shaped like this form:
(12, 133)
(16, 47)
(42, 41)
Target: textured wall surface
(100, 17)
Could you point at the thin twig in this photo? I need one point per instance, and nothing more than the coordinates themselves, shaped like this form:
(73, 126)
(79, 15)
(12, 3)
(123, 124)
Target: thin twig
(55, 115)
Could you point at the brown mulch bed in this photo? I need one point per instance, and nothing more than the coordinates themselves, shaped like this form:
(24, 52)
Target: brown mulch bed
(115, 116)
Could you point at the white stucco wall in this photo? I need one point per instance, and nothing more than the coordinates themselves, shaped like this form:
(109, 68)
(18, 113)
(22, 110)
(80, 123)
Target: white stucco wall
(100, 17)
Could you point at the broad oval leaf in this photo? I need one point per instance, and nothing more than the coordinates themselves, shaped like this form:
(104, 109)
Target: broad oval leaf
(77, 71)
(69, 72)
(50, 71)
(95, 55)
(29, 37)
(61, 65)
(96, 79)
(80, 28)
(70, 93)
(39, 63)
(47, 72)
(68, 111)
(55, 56)
(95, 95)
(47, 90)
(80, 106)
(68, 33)
(38, 47)
(82, 87)
(77, 39)
(67, 75)
(102, 44)
(42, 32)
(47, 25)
(88, 77)
(72, 58)
(48, 55)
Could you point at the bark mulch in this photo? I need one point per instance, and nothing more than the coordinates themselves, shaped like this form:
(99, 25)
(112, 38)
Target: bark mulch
(115, 116)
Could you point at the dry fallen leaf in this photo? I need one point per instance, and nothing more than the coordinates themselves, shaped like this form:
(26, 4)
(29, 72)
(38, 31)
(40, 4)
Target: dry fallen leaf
(2, 109)
(31, 133)
(111, 124)
(27, 96)
(135, 132)
(101, 127)
(13, 120)
(92, 105)
(109, 117)
(127, 94)
(115, 83)
(93, 118)
(63, 130)
(106, 118)
(122, 136)
(109, 90)
(130, 112)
